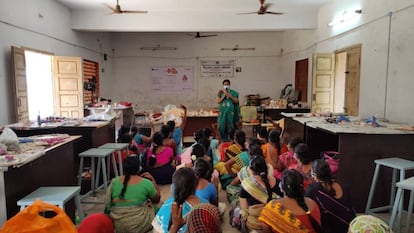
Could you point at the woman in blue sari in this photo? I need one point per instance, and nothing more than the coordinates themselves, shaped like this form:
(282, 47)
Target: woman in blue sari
(185, 183)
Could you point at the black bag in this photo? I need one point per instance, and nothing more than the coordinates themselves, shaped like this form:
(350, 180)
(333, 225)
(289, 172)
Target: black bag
(335, 215)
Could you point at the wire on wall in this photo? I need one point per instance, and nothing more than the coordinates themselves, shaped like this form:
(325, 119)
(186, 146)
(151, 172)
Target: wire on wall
(388, 64)
(49, 36)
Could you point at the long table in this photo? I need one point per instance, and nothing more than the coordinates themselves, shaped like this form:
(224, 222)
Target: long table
(195, 123)
(54, 167)
(358, 146)
(94, 133)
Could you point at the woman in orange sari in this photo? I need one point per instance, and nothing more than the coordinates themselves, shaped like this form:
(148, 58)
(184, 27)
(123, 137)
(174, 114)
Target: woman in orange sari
(271, 151)
(293, 213)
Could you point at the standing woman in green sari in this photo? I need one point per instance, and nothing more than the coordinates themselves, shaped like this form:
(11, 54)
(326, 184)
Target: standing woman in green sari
(229, 116)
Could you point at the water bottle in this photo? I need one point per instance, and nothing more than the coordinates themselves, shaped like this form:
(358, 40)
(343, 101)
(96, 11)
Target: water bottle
(39, 122)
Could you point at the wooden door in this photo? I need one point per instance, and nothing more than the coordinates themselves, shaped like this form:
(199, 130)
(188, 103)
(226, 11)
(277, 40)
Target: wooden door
(352, 77)
(323, 82)
(68, 85)
(20, 84)
(301, 79)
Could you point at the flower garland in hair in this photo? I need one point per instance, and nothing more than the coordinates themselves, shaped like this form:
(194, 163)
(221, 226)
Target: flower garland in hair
(193, 157)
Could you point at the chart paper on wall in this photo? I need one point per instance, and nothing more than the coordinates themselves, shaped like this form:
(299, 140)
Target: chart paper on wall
(218, 68)
(172, 79)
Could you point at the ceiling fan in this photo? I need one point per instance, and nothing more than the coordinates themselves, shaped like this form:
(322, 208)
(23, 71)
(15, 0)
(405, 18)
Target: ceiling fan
(263, 9)
(198, 35)
(117, 9)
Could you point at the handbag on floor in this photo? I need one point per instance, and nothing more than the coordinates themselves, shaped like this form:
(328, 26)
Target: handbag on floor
(30, 220)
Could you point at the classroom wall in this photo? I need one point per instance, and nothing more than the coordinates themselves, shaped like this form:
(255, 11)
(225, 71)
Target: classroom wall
(132, 79)
(44, 25)
(386, 64)
(385, 30)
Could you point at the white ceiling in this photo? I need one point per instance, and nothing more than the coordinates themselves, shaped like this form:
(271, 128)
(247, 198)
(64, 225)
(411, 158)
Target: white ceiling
(193, 15)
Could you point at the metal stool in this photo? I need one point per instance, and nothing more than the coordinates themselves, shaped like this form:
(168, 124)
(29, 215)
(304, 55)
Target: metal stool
(407, 184)
(396, 164)
(119, 147)
(101, 155)
(55, 195)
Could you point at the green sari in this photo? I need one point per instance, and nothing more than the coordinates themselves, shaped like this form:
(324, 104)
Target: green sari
(229, 115)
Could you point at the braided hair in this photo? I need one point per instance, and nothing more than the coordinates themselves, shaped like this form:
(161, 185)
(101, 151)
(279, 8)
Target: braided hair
(198, 151)
(274, 137)
(185, 184)
(323, 172)
(240, 138)
(131, 166)
(157, 141)
(292, 185)
(202, 169)
(259, 167)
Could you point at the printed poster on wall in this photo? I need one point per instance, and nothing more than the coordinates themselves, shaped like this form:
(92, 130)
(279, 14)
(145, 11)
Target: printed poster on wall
(172, 79)
(222, 68)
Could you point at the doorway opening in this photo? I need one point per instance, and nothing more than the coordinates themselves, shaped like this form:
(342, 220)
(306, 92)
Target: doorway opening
(336, 81)
(39, 84)
(339, 92)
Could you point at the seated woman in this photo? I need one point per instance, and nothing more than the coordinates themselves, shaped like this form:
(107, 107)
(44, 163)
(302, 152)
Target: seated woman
(185, 183)
(238, 145)
(205, 189)
(271, 151)
(227, 175)
(336, 212)
(203, 218)
(257, 190)
(127, 198)
(159, 160)
(293, 212)
(167, 133)
(233, 189)
(197, 151)
(305, 162)
(262, 135)
(140, 140)
(96, 223)
(288, 158)
(177, 133)
(125, 136)
(368, 224)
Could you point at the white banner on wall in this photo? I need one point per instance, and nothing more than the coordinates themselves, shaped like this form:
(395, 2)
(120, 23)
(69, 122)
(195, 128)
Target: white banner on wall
(222, 68)
(172, 79)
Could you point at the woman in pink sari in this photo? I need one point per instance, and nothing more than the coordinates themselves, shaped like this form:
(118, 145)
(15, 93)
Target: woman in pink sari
(160, 160)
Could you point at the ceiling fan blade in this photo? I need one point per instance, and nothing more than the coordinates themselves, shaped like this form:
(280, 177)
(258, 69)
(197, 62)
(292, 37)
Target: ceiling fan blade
(109, 6)
(248, 13)
(137, 12)
(208, 35)
(274, 13)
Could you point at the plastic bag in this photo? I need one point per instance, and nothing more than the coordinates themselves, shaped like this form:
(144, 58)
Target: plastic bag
(10, 139)
(29, 220)
(332, 158)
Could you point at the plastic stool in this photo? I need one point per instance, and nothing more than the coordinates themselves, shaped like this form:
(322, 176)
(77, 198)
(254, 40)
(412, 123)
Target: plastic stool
(396, 164)
(407, 184)
(119, 147)
(101, 155)
(55, 195)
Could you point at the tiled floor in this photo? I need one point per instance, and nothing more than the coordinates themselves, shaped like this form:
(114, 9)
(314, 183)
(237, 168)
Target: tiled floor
(165, 194)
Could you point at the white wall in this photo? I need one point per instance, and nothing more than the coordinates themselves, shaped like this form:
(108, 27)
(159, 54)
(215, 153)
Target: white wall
(22, 25)
(260, 68)
(386, 81)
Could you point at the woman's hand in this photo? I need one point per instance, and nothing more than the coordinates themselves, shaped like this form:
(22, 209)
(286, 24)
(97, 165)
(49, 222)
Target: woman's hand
(176, 218)
(148, 176)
